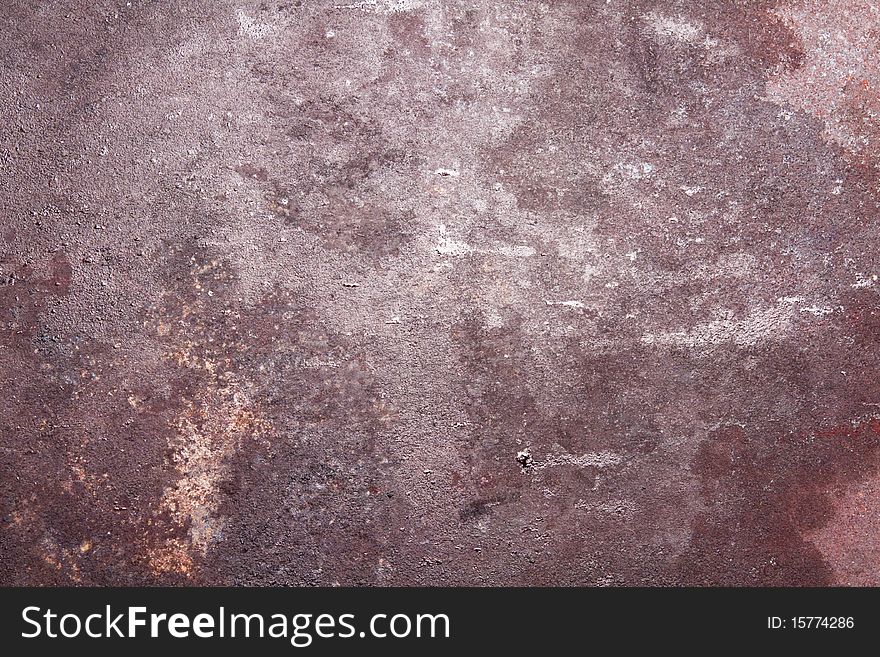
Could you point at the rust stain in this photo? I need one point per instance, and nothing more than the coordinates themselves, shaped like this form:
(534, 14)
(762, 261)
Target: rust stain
(172, 556)
(209, 430)
(213, 422)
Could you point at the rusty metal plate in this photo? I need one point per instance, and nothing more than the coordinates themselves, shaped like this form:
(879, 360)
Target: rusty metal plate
(438, 292)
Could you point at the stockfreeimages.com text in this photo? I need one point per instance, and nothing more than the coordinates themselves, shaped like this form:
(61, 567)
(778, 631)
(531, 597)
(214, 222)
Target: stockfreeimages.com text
(300, 629)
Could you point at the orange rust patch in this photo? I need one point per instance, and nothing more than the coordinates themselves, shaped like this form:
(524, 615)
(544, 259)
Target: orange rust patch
(173, 556)
(215, 421)
(209, 430)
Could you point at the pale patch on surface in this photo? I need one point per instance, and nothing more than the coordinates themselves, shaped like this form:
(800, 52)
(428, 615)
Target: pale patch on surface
(818, 311)
(384, 6)
(623, 175)
(757, 326)
(568, 304)
(677, 29)
(448, 246)
(839, 80)
(492, 318)
(208, 431)
(620, 508)
(516, 251)
(865, 281)
(251, 27)
(601, 459)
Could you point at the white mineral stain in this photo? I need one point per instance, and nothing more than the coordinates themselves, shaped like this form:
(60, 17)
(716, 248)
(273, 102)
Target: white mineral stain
(516, 251)
(676, 29)
(819, 311)
(757, 326)
(384, 6)
(448, 246)
(569, 304)
(251, 27)
(865, 281)
(683, 33)
(603, 459)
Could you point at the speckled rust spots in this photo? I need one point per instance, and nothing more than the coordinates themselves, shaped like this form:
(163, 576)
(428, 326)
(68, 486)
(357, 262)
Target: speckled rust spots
(231, 369)
(172, 556)
(765, 500)
(211, 429)
(217, 414)
(60, 559)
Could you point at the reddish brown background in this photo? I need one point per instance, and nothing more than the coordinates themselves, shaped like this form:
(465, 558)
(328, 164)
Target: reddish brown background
(286, 287)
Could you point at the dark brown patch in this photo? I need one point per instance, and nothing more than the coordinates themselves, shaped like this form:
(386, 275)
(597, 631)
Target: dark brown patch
(764, 497)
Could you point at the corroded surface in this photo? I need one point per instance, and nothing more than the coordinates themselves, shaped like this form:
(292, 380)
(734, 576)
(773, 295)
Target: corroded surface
(422, 292)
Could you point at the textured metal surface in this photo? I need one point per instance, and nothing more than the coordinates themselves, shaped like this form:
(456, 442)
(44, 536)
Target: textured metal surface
(420, 292)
